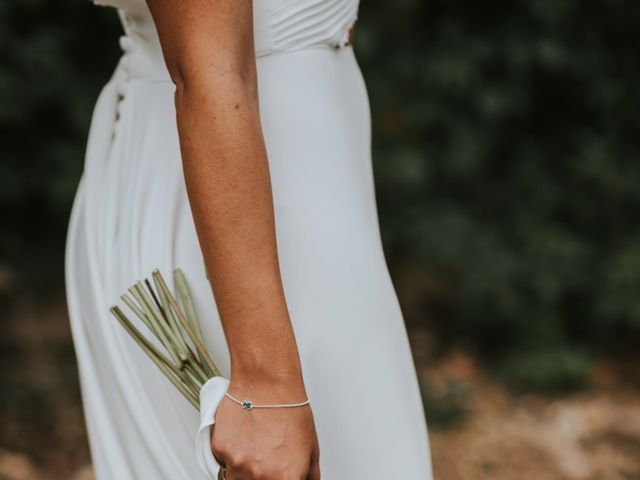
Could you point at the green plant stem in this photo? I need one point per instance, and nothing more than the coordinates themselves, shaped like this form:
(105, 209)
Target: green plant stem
(169, 315)
(139, 294)
(184, 294)
(138, 311)
(208, 364)
(182, 288)
(169, 370)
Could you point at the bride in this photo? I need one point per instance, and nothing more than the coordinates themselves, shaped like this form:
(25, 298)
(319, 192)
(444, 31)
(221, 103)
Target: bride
(227, 125)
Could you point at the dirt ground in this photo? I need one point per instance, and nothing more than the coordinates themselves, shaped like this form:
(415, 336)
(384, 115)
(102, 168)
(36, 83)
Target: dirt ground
(500, 435)
(593, 435)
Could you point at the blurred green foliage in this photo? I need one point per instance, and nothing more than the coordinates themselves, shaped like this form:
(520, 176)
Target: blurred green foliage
(54, 58)
(506, 155)
(553, 370)
(507, 159)
(445, 405)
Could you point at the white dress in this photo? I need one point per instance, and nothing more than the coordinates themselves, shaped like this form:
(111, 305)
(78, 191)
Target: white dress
(131, 215)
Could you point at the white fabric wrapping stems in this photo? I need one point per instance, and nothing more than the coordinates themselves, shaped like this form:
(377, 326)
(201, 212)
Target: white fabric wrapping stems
(211, 394)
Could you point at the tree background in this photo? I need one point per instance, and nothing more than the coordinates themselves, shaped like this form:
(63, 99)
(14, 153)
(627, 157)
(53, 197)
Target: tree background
(506, 154)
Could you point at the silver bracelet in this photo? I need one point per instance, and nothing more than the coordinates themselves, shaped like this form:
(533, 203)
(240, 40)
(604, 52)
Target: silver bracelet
(249, 405)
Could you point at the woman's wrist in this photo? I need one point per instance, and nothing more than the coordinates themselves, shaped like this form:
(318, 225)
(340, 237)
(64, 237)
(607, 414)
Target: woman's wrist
(270, 357)
(268, 383)
(289, 375)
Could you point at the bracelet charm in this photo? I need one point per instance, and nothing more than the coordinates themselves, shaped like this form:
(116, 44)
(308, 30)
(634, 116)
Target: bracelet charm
(249, 405)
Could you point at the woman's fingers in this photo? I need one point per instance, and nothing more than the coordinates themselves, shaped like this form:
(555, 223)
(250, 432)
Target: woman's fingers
(314, 472)
(314, 466)
(213, 452)
(230, 475)
(220, 462)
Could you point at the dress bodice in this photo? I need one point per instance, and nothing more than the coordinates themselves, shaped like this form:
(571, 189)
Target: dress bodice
(279, 25)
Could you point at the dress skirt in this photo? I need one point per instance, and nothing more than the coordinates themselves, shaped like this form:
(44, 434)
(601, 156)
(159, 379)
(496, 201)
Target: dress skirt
(131, 215)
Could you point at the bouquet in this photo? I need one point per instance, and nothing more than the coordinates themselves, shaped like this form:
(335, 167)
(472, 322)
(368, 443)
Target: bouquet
(182, 356)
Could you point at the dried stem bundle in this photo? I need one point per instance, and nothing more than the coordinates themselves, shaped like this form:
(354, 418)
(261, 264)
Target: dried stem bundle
(188, 364)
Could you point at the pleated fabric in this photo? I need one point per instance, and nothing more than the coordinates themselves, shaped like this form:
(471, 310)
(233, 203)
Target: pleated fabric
(131, 215)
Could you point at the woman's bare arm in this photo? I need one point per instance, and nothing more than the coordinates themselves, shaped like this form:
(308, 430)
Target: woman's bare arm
(208, 48)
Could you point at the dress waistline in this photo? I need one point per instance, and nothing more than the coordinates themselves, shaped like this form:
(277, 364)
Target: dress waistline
(142, 56)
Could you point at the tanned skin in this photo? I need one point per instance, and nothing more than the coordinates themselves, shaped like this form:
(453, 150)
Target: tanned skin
(209, 52)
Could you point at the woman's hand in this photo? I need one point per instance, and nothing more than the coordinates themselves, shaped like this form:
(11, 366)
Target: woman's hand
(266, 443)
